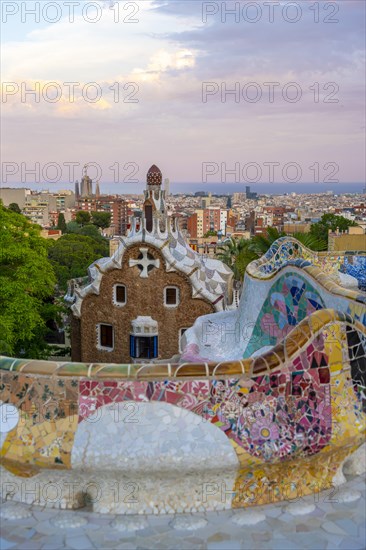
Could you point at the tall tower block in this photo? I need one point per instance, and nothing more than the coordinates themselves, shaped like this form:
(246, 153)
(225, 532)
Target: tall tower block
(86, 188)
(97, 190)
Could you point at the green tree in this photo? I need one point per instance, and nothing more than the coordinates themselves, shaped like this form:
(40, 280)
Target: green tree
(88, 230)
(210, 233)
(72, 227)
(82, 217)
(92, 231)
(72, 254)
(320, 229)
(311, 241)
(261, 243)
(27, 283)
(14, 207)
(61, 223)
(236, 254)
(101, 219)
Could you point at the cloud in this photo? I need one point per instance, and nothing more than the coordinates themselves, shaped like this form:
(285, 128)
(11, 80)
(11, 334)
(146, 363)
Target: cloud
(168, 55)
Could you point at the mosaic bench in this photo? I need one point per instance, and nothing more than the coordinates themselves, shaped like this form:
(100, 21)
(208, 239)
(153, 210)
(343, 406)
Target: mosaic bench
(273, 427)
(286, 285)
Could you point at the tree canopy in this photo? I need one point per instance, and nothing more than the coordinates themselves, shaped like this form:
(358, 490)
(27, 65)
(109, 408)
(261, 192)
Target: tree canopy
(101, 219)
(237, 254)
(14, 207)
(72, 254)
(27, 282)
(330, 221)
(88, 230)
(82, 217)
(61, 223)
(261, 243)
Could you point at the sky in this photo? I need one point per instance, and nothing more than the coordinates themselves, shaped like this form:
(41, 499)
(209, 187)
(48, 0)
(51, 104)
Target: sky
(152, 86)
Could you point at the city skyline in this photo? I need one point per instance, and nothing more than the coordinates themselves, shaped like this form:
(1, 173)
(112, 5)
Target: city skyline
(228, 188)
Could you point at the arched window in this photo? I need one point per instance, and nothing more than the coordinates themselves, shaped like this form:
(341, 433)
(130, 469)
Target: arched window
(171, 296)
(149, 217)
(144, 338)
(105, 337)
(180, 335)
(119, 295)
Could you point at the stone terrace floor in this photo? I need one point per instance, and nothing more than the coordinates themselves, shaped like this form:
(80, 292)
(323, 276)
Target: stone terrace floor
(334, 519)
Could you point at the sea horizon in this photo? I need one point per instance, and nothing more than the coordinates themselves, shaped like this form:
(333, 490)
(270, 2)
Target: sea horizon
(215, 188)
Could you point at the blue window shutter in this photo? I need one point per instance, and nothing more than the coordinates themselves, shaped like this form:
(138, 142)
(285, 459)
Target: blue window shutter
(132, 346)
(155, 346)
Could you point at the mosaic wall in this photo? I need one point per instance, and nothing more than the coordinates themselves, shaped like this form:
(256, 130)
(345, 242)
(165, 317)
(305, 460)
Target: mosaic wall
(303, 400)
(288, 251)
(280, 289)
(356, 267)
(290, 300)
(285, 251)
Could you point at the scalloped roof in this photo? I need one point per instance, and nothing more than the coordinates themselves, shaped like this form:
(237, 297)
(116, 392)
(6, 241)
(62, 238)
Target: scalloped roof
(210, 279)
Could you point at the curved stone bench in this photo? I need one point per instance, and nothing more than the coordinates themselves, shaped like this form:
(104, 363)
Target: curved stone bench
(280, 289)
(273, 427)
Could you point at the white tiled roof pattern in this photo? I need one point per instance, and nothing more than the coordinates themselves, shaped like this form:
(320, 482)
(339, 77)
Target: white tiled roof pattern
(210, 279)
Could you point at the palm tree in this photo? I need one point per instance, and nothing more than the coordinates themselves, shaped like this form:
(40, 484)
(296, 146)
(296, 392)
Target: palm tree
(311, 241)
(260, 243)
(237, 255)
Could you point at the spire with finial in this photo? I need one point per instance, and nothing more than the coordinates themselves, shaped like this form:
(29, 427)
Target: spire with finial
(154, 176)
(86, 183)
(154, 204)
(97, 190)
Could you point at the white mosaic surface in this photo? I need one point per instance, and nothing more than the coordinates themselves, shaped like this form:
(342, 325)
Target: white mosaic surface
(150, 437)
(224, 336)
(332, 521)
(164, 492)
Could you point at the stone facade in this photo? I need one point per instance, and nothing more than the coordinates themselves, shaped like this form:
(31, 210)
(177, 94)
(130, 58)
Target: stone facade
(355, 239)
(145, 296)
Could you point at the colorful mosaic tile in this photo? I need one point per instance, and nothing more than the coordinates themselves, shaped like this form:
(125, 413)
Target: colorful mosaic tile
(293, 413)
(290, 300)
(288, 251)
(356, 267)
(310, 405)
